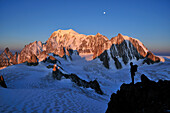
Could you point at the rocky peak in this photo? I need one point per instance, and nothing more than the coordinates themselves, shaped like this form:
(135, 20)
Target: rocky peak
(30, 49)
(98, 34)
(16, 53)
(118, 39)
(120, 35)
(6, 50)
(35, 42)
(126, 48)
(7, 58)
(63, 32)
(135, 42)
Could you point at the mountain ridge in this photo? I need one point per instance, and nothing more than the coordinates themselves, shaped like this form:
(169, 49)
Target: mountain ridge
(89, 46)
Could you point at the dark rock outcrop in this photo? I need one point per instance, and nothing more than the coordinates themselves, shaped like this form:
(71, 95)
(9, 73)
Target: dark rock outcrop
(143, 97)
(92, 84)
(117, 63)
(95, 85)
(105, 59)
(2, 82)
(50, 66)
(151, 58)
(57, 74)
(51, 59)
(32, 61)
(123, 49)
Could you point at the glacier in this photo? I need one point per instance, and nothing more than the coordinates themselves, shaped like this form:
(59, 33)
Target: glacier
(33, 89)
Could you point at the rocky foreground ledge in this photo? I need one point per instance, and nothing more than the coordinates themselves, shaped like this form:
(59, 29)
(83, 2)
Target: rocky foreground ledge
(143, 97)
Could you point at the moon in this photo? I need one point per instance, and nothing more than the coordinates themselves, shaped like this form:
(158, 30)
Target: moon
(104, 12)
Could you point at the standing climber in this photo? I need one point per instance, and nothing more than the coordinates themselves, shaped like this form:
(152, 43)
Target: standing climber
(133, 69)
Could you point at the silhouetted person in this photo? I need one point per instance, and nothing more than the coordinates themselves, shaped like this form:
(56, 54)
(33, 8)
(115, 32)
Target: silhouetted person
(133, 69)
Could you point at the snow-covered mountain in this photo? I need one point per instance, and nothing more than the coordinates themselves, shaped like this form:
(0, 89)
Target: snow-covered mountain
(85, 45)
(117, 51)
(123, 49)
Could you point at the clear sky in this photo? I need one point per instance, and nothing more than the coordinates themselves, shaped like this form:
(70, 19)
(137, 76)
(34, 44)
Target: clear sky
(25, 21)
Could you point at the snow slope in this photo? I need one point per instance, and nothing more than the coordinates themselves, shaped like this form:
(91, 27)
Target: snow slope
(32, 88)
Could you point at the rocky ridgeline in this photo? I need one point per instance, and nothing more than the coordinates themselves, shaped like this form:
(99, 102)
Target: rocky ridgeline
(57, 74)
(7, 58)
(65, 43)
(143, 97)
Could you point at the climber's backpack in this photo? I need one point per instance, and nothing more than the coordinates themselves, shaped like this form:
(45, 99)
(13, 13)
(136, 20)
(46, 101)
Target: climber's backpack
(135, 67)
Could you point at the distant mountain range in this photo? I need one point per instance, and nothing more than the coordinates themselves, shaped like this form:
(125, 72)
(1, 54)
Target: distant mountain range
(64, 43)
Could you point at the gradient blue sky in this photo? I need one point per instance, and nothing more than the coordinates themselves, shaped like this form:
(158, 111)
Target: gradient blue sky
(22, 21)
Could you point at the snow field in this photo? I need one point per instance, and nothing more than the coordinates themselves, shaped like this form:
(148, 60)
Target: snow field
(32, 88)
